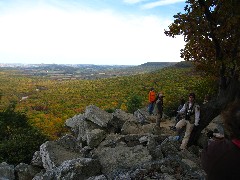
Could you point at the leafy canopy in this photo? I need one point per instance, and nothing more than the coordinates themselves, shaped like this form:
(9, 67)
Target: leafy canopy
(211, 32)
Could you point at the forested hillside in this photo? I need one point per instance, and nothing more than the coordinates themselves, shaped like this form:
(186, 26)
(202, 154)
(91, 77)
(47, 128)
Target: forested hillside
(48, 103)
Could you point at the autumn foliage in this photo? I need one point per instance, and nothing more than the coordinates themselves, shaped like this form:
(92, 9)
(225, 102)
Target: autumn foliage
(212, 35)
(48, 108)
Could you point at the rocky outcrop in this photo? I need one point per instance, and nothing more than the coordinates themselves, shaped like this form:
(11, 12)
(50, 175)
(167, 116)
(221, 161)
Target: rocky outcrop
(105, 146)
(6, 171)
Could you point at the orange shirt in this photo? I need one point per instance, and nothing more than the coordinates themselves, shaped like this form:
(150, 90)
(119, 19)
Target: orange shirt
(151, 96)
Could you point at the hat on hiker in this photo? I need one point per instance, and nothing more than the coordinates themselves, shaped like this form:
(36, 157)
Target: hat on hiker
(161, 94)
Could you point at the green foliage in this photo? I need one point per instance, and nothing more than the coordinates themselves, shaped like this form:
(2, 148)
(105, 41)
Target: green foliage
(48, 108)
(110, 110)
(134, 103)
(18, 139)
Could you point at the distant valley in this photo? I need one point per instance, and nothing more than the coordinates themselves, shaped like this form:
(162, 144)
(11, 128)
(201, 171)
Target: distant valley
(83, 71)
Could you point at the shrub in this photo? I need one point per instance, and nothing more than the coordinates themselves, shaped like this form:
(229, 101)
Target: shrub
(134, 103)
(18, 139)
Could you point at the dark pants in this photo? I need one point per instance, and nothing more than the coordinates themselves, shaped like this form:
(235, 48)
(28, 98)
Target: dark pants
(150, 108)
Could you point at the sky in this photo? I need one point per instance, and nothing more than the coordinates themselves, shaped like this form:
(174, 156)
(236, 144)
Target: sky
(101, 32)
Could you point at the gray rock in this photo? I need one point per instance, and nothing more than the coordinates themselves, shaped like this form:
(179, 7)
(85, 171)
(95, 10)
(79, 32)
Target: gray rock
(53, 154)
(45, 175)
(37, 160)
(112, 140)
(101, 177)
(133, 140)
(74, 122)
(190, 163)
(76, 169)
(141, 117)
(26, 172)
(169, 148)
(216, 123)
(6, 171)
(131, 127)
(121, 157)
(97, 115)
(110, 146)
(68, 142)
(79, 169)
(95, 137)
(151, 129)
(119, 118)
(84, 127)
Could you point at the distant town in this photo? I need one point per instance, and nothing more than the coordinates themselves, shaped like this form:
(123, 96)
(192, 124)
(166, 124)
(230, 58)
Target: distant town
(82, 71)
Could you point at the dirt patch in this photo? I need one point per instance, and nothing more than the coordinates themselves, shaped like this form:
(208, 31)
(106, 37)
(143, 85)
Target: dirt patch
(164, 125)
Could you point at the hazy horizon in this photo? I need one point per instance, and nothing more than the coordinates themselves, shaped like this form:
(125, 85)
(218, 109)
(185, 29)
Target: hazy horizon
(81, 64)
(123, 32)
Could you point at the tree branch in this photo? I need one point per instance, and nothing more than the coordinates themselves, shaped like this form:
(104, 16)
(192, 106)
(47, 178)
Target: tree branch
(212, 28)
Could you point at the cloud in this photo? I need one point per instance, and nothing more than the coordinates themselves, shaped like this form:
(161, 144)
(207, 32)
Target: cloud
(50, 35)
(160, 3)
(133, 1)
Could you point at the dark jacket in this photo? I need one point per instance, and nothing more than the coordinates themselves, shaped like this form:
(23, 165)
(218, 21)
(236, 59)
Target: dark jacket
(221, 160)
(159, 104)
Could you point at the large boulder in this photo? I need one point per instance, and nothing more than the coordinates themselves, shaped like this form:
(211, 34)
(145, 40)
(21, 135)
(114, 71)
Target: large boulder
(119, 118)
(37, 159)
(77, 169)
(95, 137)
(74, 122)
(54, 153)
(131, 127)
(84, 127)
(121, 157)
(6, 171)
(134, 127)
(97, 115)
(26, 172)
(215, 124)
(141, 116)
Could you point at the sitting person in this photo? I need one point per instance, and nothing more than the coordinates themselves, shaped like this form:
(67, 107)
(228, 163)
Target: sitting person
(221, 158)
(191, 112)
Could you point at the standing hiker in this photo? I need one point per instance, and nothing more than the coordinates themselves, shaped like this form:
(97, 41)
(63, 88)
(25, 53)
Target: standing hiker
(159, 108)
(151, 99)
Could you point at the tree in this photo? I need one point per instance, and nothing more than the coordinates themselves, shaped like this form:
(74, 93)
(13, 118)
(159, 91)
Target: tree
(18, 139)
(212, 34)
(134, 103)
